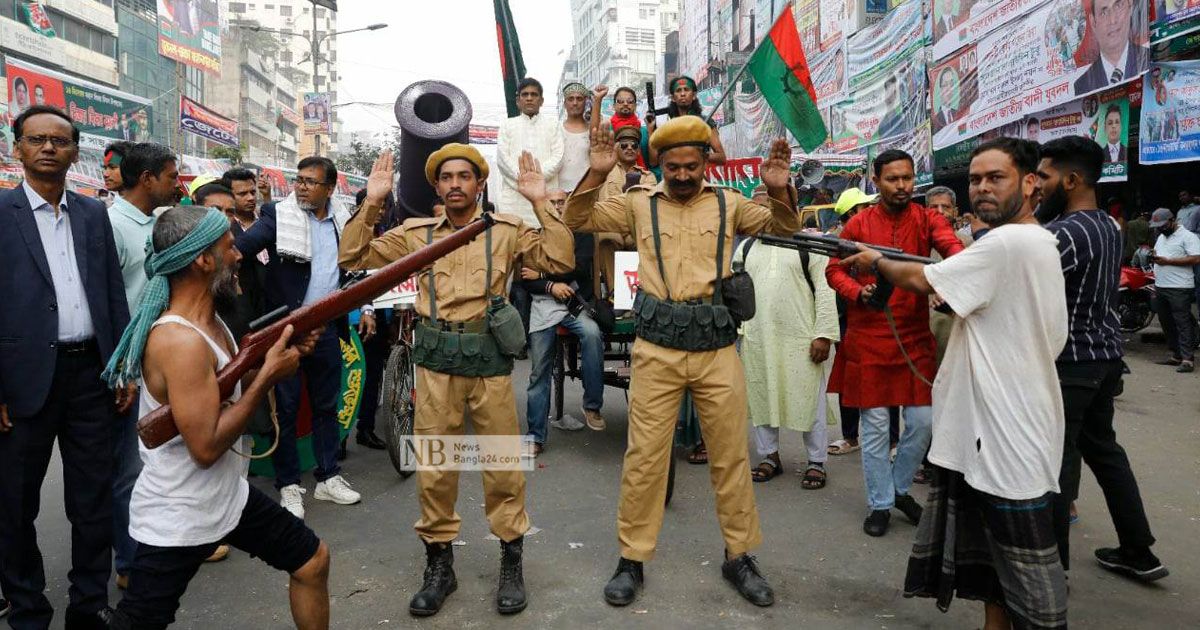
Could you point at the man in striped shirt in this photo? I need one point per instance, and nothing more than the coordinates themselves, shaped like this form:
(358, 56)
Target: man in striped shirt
(1089, 368)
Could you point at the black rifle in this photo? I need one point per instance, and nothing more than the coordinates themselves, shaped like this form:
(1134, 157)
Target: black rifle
(662, 111)
(835, 247)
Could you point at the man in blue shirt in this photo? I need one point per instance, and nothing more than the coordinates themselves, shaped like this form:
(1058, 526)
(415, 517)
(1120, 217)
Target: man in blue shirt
(1089, 368)
(300, 234)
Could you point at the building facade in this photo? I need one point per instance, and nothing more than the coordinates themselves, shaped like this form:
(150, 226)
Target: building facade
(85, 41)
(621, 42)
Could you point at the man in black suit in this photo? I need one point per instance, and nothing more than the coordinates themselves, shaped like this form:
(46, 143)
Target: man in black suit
(1120, 58)
(62, 315)
(1114, 151)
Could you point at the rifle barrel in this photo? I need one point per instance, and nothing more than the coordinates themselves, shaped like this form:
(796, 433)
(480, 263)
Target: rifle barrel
(158, 426)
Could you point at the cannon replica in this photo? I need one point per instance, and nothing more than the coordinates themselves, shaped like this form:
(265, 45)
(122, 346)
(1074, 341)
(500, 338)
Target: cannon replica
(431, 114)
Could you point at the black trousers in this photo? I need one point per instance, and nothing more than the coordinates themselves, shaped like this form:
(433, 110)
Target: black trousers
(1087, 390)
(79, 413)
(376, 350)
(1174, 307)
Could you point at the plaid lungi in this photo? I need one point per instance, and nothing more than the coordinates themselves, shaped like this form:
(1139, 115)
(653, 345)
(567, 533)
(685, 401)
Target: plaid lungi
(986, 548)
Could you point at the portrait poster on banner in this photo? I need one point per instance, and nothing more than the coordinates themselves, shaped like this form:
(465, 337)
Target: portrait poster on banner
(917, 143)
(1172, 18)
(829, 74)
(99, 111)
(317, 112)
(877, 49)
(1047, 57)
(189, 31)
(1170, 125)
(1103, 117)
(891, 104)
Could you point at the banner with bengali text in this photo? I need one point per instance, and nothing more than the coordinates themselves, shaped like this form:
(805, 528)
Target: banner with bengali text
(917, 143)
(1046, 58)
(189, 31)
(199, 120)
(1173, 18)
(891, 104)
(99, 111)
(1170, 125)
(1104, 117)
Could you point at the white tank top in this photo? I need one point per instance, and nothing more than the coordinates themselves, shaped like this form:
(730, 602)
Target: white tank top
(175, 502)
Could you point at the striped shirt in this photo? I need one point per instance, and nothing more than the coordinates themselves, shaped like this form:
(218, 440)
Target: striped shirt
(1089, 247)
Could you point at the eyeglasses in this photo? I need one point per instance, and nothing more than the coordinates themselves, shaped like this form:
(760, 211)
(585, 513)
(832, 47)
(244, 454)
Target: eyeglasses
(37, 142)
(625, 101)
(309, 182)
(628, 144)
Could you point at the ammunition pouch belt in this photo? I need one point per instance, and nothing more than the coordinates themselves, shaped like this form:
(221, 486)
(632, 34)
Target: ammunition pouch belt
(461, 349)
(691, 326)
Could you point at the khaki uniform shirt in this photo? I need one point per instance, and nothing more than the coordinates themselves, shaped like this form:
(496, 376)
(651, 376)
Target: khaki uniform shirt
(688, 232)
(461, 294)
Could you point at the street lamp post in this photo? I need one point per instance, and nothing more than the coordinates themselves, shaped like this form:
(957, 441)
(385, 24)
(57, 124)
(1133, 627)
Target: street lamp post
(314, 45)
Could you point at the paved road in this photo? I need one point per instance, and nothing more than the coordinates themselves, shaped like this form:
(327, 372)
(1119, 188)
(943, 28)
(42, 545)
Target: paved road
(825, 571)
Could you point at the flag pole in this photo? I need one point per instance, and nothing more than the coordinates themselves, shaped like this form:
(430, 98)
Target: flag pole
(733, 83)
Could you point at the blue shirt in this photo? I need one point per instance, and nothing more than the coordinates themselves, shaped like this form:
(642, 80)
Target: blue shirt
(323, 278)
(1089, 248)
(74, 318)
(131, 229)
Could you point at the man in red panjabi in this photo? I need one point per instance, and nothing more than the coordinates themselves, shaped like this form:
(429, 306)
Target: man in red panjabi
(869, 371)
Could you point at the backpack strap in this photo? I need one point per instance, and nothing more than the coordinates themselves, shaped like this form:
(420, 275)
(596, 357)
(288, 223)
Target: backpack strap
(658, 243)
(432, 278)
(720, 247)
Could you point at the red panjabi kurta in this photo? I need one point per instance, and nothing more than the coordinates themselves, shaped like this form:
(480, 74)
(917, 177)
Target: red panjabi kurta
(869, 369)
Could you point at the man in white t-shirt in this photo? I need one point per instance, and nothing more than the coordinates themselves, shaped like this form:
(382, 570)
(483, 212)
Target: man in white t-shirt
(997, 407)
(1176, 254)
(192, 493)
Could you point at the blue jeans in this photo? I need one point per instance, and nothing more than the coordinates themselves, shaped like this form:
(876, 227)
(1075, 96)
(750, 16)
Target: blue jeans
(885, 480)
(541, 355)
(127, 465)
(323, 371)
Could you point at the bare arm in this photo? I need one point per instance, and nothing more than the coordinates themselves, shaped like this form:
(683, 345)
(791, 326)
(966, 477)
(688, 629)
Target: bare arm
(717, 154)
(584, 213)
(358, 249)
(909, 276)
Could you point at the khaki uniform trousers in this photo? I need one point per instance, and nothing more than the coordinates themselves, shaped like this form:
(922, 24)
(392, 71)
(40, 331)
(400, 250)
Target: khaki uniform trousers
(441, 400)
(659, 377)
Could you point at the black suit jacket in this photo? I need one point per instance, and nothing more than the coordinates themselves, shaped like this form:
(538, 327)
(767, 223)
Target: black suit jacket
(1095, 78)
(1122, 154)
(28, 318)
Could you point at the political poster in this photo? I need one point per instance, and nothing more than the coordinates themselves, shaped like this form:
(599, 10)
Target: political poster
(100, 112)
(199, 120)
(189, 31)
(1048, 57)
(806, 14)
(739, 173)
(917, 143)
(889, 105)
(1173, 18)
(829, 75)
(878, 49)
(317, 113)
(625, 268)
(1103, 117)
(1170, 124)
(957, 23)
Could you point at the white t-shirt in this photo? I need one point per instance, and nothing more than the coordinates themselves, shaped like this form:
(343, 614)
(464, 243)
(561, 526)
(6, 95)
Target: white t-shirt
(575, 160)
(175, 502)
(997, 408)
(1180, 244)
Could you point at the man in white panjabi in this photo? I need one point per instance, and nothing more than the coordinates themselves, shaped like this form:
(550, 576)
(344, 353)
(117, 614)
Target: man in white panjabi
(785, 351)
(541, 136)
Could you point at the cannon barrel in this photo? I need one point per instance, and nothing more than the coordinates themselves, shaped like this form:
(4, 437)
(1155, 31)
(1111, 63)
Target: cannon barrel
(431, 114)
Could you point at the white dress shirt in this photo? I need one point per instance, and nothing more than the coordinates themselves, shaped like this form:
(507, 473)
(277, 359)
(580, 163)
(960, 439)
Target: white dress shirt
(71, 304)
(540, 135)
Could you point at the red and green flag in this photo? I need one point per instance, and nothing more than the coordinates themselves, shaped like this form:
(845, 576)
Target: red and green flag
(37, 19)
(512, 65)
(781, 71)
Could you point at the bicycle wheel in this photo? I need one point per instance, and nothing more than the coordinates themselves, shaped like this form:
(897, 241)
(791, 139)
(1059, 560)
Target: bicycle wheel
(396, 396)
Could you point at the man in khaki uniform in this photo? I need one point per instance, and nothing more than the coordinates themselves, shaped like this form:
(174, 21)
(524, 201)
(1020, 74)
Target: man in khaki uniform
(685, 337)
(460, 364)
(628, 147)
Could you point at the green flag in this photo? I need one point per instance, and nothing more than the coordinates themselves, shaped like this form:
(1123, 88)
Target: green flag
(512, 65)
(781, 71)
(35, 16)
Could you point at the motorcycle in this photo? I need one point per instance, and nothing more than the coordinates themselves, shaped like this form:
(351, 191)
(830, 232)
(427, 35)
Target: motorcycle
(1135, 298)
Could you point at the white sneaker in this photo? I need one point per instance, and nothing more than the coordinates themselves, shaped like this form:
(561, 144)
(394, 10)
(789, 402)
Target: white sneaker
(292, 499)
(336, 489)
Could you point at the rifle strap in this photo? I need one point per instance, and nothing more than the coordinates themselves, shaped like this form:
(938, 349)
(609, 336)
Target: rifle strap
(658, 243)
(717, 298)
(432, 277)
(887, 312)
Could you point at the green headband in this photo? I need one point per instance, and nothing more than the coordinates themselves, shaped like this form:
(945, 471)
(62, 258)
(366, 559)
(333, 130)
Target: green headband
(125, 366)
(684, 81)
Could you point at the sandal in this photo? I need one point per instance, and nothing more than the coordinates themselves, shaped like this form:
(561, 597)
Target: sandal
(842, 447)
(814, 477)
(766, 470)
(699, 455)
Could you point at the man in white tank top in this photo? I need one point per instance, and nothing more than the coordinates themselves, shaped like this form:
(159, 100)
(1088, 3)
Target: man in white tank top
(192, 494)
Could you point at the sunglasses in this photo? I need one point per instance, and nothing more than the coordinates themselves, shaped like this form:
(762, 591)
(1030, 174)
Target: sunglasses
(628, 144)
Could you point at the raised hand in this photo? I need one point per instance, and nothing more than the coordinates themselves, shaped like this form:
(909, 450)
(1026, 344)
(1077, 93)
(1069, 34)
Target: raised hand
(379, 182)
(531, 183)
(774, 170)
(602, 155)
(600, 91)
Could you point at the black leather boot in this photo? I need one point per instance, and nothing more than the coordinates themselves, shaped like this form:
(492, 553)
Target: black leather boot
(743, 573)
(623, 588)
(439, 580)
(510, 596)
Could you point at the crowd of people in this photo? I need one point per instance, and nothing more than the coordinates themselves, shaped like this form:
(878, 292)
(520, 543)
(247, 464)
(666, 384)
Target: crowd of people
(116, 311)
